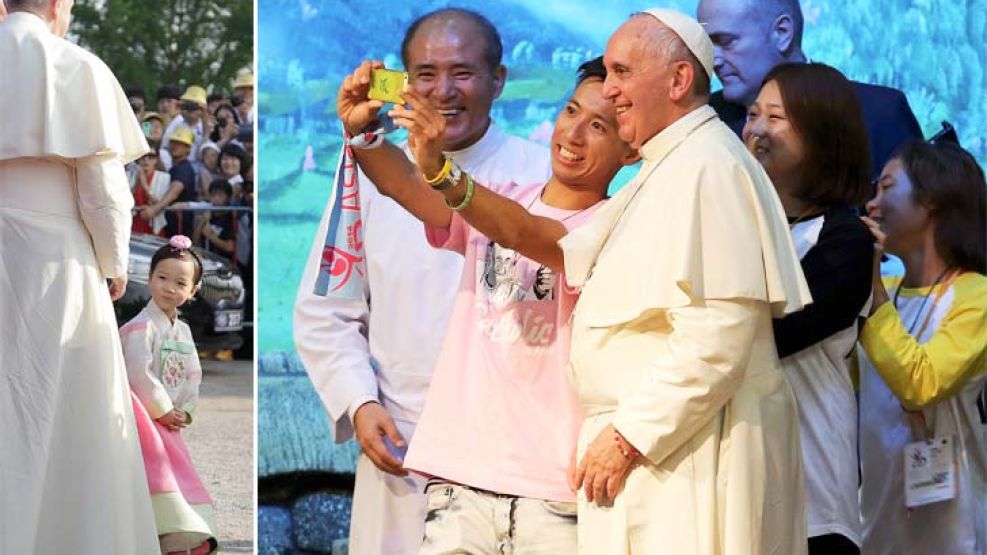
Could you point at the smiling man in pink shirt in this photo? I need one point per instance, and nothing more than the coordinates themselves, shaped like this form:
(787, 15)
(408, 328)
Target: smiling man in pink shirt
(499, 427)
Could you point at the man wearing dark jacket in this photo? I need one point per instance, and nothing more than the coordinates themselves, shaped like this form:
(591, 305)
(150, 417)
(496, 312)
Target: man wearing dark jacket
(749, 38)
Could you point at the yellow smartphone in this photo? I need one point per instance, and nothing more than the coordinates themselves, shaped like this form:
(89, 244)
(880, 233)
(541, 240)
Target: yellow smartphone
(386, 85)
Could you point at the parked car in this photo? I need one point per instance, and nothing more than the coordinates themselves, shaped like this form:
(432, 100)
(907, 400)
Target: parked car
(215, 313)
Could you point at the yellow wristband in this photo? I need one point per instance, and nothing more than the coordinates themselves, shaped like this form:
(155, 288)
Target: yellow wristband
(443, 173)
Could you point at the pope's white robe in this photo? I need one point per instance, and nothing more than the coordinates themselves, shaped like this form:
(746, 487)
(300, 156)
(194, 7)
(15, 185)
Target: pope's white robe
(672, 343)
(71, 475)
(384, 345)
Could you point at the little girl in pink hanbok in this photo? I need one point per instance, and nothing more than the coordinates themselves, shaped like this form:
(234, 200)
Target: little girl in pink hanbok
(164, 373)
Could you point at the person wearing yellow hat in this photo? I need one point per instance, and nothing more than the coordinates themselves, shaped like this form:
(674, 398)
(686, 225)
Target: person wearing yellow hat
(153, 126)
(193, 106)
(182, 189)
(243, 96)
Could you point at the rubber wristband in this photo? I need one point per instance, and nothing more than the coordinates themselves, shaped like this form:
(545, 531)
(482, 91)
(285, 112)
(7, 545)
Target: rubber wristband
(467, 199)
(451, 180)
(443, 173)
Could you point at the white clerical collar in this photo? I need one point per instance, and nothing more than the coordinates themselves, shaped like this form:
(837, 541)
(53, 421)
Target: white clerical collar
(28, 19)
(660, 145)
(473, 155)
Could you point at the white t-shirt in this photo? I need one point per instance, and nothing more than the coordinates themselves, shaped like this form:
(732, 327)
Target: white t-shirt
(827, 406)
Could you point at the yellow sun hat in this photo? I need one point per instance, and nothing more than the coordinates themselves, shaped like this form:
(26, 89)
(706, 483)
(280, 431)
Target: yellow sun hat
(196, 94)
(183, 134)
(244, 80)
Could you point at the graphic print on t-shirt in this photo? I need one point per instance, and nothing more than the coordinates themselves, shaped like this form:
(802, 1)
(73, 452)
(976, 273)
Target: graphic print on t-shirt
(502, 283)
(516, 297)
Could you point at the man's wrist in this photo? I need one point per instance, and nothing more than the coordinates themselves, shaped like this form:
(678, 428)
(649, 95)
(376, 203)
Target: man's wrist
(357, 404)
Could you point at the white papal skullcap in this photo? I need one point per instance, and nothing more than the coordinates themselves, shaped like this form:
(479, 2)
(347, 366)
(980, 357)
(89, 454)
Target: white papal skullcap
(691, 33)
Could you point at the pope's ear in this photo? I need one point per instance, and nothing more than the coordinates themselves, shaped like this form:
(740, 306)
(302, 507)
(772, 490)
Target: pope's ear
(632, 157)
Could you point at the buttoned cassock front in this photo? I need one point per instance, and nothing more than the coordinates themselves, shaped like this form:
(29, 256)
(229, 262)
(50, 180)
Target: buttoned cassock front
(672, 343)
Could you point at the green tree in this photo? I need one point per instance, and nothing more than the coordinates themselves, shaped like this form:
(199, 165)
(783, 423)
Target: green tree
(180, 42)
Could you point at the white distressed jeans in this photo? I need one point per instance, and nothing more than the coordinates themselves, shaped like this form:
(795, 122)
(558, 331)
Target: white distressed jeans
(462, 520)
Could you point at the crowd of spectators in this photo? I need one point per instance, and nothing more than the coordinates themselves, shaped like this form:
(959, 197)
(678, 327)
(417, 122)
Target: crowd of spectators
(198, 140)
(197, 180)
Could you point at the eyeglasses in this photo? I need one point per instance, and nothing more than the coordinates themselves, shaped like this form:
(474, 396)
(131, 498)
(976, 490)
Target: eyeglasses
(190, 106)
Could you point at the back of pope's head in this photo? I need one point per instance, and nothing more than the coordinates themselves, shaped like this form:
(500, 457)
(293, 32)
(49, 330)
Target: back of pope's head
(56, 13)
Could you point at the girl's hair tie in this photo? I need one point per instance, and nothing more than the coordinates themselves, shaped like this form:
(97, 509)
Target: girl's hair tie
(180, 242)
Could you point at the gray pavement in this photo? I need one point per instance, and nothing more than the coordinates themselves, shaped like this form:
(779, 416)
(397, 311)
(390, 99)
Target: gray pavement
(221, 441)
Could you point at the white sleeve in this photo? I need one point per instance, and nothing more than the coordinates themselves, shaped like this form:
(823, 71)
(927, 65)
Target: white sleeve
(331, 339)
(138, 353)
(710, 347)
(105, 202)
(164, 155)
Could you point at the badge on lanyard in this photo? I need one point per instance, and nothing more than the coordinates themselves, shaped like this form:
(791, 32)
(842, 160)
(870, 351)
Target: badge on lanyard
(930, 471)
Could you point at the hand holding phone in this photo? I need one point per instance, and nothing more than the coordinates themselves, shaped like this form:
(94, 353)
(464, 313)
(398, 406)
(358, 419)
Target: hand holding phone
(386, 85)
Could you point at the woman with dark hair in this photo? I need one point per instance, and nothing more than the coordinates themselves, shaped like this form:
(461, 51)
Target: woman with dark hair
(806, 128)
(232, 163)
(226, 125)
(923, 383)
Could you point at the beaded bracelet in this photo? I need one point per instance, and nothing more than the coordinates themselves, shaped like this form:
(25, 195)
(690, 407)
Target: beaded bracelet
(624, 446)
(467, 199)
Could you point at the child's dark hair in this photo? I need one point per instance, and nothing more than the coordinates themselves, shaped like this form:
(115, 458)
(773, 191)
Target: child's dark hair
(221, 186)
(179, 248)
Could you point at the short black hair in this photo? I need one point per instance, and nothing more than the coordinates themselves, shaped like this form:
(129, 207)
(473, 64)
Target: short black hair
(135, 91)
(592, 68)
(169, 91)
(493, 52)
(234, 150)
(221, 186)
(215, 97)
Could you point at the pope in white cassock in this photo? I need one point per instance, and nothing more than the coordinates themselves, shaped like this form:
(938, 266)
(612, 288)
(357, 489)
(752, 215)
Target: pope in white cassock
(672, 344)
(71, 474)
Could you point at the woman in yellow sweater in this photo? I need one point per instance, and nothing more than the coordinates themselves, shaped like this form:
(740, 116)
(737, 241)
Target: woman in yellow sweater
(924, 369)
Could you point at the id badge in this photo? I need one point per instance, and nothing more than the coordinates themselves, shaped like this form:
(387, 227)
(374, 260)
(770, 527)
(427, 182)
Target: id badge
(930, 471)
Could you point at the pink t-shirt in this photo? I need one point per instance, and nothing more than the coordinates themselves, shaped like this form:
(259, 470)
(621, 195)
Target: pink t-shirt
(500, 414)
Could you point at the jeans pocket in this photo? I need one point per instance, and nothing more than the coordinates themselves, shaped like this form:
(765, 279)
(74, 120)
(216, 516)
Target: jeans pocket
(438, 496)
(563, 509)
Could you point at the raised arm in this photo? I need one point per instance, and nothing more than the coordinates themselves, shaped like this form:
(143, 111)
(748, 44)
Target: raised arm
(386, 166)
(923, 374)
(504, 221)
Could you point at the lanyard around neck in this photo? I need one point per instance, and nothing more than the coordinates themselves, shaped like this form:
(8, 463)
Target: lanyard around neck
(916, 419)
(950, 275)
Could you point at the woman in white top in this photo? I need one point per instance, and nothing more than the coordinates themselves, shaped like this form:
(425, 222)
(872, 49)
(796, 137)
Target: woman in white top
(807, 129)
(923, 382)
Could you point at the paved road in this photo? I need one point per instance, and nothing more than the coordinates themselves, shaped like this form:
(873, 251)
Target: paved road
(221, 441)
